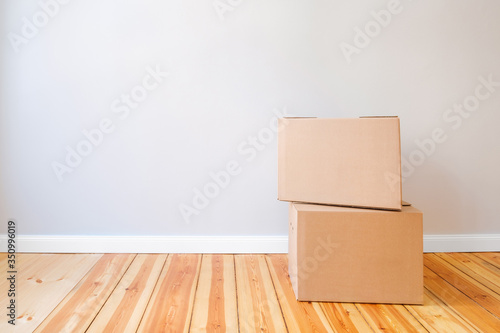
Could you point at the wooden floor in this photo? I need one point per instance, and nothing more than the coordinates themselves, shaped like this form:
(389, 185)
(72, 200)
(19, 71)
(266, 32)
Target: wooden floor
(233, 293)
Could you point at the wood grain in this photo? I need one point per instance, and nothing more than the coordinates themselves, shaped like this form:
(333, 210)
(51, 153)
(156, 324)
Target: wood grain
(258, 307)
(3, 261)
(392, 318)
(345, 317)
(43, 281)
(171, 304)
(469, 310)
(227, 293)
(478, 269)
(463, 282)
(435, 316)
(215, 305)
(299, 316)
(81, 305)
(124, 308)
(491, 257)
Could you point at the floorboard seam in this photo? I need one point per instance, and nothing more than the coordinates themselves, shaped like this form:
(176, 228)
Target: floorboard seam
(152, 292)
(111, 293)
(275, 291)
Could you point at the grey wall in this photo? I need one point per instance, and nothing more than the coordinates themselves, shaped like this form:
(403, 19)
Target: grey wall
(228, 77)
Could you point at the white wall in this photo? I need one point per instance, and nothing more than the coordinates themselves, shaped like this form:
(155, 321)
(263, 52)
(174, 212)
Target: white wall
(225, 79)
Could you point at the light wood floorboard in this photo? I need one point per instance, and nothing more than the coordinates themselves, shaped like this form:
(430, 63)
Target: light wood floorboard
(43, 282)
(171, 304)
(234, 293)
(124, 309)
(79, 308)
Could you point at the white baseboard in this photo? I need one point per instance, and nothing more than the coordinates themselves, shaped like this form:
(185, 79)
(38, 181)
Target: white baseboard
(213, 244)
(462, 243)
(151, 244)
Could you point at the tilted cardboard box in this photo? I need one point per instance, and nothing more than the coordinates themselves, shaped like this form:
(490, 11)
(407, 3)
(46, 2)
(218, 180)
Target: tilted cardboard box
(350, 162)
(342, 254)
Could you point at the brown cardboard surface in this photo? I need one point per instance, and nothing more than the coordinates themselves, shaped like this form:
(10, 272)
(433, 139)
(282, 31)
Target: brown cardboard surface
(348, 162)
(341, 254)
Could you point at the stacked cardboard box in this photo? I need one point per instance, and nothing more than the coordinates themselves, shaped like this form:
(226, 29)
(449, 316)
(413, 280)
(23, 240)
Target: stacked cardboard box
(350, 237)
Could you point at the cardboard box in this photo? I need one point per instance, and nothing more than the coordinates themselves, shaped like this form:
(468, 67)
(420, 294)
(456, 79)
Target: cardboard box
(349, 162)
(341, 254)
